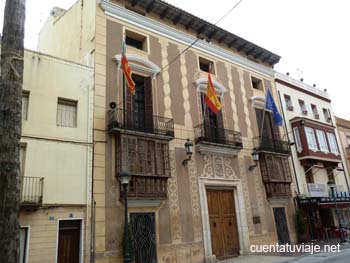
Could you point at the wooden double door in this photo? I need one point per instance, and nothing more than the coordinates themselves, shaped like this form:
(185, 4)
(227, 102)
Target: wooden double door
(223, 223)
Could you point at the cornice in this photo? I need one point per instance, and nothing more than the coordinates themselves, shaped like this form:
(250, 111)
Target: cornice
(156, 27)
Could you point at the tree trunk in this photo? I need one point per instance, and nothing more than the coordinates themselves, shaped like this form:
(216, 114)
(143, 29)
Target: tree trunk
(11, 80)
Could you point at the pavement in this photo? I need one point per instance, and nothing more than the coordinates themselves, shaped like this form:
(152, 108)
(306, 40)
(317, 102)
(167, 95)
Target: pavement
(343, 256)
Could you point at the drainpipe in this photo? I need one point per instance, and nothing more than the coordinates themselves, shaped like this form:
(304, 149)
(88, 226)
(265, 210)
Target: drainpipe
(287, 133)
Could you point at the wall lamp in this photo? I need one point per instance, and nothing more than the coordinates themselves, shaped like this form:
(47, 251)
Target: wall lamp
(189, 151)
(255, 156)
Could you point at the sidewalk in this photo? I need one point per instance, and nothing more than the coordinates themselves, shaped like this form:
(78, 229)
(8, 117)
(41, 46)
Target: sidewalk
(257, 259)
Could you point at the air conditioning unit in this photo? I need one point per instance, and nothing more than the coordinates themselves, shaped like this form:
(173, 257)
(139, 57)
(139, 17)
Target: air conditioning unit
(329, 119)
(317, 116)
(290, 108)
(305, 112)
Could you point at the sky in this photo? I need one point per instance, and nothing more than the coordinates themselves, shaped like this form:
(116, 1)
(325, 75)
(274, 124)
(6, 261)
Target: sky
(311, 36)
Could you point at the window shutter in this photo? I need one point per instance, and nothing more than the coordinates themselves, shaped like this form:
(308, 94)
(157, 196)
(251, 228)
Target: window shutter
(128, 104)
(148, 104)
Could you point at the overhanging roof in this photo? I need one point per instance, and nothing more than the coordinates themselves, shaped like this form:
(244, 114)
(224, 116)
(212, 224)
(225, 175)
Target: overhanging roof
(206, 29)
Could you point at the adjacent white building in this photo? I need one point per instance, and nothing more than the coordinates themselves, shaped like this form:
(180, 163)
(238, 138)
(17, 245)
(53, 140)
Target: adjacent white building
(321, 179)
(56, 158)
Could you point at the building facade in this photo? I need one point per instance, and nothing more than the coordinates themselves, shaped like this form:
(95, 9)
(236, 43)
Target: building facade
(179, 211)
(56, 160)
(322, 183)
(343, 127)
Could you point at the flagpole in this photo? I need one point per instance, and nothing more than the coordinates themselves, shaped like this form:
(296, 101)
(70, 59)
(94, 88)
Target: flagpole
(263, 118)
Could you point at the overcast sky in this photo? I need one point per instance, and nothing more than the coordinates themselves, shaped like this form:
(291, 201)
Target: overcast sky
(311, 36)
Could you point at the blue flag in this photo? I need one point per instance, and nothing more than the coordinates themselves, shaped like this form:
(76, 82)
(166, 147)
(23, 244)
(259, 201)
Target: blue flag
(271, 105)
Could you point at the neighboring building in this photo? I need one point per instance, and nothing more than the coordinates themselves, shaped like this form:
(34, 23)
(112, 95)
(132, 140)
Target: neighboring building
(56, 160)
(343, 127)
(316, 155)
(178, 213)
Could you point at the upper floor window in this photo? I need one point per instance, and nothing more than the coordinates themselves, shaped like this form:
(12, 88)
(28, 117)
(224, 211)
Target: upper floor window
(143, 157)
(332, 143)
(288, 101)
(302, 107)
(327, 116)
(66, 113)
(297, 139)
(322, 141)
(206, 65)
(348, 140)
(257, 83)
(311, 138)
(136, 40)
(22, 157)
(315, 111)
(25, 103)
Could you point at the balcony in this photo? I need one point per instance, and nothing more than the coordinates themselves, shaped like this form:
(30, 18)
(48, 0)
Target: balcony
(209, 134)
(148, 187)
(278, 189)
(265, 144)
(31, 191)
(120, 120)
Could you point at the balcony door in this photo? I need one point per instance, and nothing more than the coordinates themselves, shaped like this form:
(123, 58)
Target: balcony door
(213, 123)
(270, 131)
(140, 106)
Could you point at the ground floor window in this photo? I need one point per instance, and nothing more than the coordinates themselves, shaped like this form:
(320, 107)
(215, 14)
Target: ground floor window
(23, 244)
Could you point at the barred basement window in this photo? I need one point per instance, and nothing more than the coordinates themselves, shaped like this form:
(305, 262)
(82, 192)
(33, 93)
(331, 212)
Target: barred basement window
(66, 113)
(25, 102)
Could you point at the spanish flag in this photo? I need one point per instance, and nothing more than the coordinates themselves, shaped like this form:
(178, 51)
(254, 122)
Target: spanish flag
(127, 70)
(211, 99)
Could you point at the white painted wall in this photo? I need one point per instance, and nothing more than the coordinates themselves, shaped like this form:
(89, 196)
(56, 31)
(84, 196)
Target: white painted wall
(61, 155)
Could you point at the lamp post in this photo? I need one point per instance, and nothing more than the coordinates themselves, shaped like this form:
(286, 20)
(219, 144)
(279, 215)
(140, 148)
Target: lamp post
(332, 186)
(124, 179)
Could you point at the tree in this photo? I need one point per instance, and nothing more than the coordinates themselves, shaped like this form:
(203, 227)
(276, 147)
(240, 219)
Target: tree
(11, 81)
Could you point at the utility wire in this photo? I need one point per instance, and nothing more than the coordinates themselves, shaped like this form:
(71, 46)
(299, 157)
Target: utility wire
(194, 42)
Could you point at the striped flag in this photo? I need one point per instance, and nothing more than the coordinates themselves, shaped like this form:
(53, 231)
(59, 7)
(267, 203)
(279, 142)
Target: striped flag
(127, 70)
(211, 99)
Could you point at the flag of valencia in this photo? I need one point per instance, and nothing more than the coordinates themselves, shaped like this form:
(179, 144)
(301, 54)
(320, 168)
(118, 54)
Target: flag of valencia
(211, 99)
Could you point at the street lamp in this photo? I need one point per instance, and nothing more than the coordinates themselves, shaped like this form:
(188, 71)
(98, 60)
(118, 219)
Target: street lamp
(332, 186)
(189, 151)
(124, 179)
(255, 156)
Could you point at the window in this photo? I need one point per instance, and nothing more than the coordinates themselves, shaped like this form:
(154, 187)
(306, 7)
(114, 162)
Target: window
(206, 65)
(278, 168)
(314, 111)
(332, 143)
(327, 116)
(66, 113)
(22, 157)
(145, 157)
(135, 40)
(297, 139)
(23, 244)
(321, 137)
(257, 83)
(311, 139)
(288, 101)
(348, 140)
(25, 102)
(302, 107)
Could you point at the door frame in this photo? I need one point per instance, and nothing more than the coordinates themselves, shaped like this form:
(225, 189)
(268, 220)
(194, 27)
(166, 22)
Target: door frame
(285, 207)
(242, 226)
(27, 241)
(81, 246)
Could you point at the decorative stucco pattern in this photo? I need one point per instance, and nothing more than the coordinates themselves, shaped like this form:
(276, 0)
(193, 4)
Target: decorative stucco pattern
(165, 73)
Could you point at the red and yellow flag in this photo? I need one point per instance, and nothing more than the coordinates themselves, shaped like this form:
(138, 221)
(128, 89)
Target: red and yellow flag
(211, 99)
(127, 71)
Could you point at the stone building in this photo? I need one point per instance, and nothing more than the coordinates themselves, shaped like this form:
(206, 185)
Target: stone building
(220, 202)
(56, 159)
(318, 161)
(343, 128)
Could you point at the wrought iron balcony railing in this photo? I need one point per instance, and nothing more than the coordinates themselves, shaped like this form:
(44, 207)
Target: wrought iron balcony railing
(278, 189)
(211, 134)
(271, 145)
(120, 119)
(32, 191)
(149, 187)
